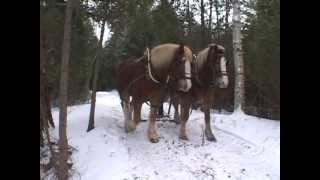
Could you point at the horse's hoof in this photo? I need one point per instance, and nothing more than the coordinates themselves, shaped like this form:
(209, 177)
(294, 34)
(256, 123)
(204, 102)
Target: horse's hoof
(131, 126)
(211, 138)
(184, 138)
(126, 130)
(154, 140)
(176, 121)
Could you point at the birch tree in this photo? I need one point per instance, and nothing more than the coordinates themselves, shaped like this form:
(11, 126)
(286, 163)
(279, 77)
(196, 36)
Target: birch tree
(238, 58)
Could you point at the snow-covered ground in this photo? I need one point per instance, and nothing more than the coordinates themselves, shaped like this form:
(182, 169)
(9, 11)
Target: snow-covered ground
(248, 147)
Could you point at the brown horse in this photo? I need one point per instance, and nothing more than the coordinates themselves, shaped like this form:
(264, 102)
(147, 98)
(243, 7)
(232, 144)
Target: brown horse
(167, 68)
(209, 71)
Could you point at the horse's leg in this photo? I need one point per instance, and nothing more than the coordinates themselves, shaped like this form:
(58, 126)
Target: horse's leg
(152, 133)
(176, 112)
(125, 108)
(135, 111)
(175, 102)
(185, 108)
(208, 131)
(131, 108)
(161, 111)
(136, 114)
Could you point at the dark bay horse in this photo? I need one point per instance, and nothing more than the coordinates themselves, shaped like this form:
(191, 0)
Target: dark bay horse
(151, 78)
(209, 71)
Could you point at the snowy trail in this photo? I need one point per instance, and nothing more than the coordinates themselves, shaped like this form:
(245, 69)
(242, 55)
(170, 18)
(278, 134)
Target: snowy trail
(247, 148)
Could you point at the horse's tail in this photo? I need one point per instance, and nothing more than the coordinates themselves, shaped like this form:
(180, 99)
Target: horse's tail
(117, 69)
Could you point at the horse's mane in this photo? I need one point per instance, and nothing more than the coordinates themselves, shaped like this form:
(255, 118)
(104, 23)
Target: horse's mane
(123, 64)
(203, 54)
(164, 54)
(202, 57)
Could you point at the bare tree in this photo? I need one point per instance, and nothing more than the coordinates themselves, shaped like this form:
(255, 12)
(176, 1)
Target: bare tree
(238, 58)
(63, 94)
(95, 79)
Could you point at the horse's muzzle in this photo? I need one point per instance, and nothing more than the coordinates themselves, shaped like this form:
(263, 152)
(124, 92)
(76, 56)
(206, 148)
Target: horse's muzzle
(222, 85)
(223, 82)
(185, 85)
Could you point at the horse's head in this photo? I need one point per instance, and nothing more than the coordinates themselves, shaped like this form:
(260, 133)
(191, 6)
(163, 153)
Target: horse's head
(218, 65)
(181, 68)
(172, 64)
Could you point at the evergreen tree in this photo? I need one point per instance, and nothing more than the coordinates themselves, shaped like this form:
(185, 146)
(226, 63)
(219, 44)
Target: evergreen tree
(262, 52)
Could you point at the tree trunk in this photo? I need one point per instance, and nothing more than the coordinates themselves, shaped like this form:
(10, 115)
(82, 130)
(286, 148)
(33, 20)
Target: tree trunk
(188, 20)
(202, 23)
(90, 71)
(95, 80)
(45, 108)
(227, 15)
(216, 5)
(42, 120)
(210, 20)
(63, 94)
(238, 58)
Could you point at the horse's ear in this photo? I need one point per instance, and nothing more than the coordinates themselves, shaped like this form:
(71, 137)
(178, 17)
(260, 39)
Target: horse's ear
(212, 48)
(180, 52)
(215, 48)
(181, 49)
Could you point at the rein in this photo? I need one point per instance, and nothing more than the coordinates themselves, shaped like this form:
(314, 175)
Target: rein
(195, 70)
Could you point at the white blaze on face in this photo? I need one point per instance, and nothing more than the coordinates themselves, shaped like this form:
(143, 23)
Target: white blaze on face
(223, 67)
(188, 73)
(186, 83)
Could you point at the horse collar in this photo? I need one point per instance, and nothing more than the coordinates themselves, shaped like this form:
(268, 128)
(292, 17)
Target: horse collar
(149, 68)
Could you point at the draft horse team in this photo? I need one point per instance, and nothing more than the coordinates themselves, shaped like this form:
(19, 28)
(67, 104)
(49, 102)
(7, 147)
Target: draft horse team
(171, 71)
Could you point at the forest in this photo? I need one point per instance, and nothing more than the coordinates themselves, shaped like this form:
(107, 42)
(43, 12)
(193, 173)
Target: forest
(134, 25)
